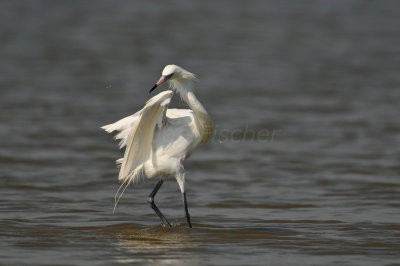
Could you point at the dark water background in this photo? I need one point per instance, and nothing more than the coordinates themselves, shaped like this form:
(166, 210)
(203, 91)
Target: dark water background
(303, 169)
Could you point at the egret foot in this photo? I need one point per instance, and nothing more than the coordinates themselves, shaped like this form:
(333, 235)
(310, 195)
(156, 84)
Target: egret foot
(150, 200)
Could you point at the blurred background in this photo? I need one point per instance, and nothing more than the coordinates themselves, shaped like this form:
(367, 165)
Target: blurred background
(304, 164)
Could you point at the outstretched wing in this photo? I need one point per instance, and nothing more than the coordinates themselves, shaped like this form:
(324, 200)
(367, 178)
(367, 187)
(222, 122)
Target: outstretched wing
(140, 139)
(136, 133)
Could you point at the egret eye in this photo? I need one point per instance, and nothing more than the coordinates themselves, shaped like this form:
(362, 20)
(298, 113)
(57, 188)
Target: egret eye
(169, 76)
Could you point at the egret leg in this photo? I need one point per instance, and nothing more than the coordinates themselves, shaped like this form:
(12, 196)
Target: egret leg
(153, 205)
(186, 209)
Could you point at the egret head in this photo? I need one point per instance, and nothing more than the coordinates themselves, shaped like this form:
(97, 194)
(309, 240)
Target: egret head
(174, 75)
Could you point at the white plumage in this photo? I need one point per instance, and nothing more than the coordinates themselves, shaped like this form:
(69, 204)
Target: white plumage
(158, 139)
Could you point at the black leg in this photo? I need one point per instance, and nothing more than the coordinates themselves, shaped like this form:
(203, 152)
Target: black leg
(186, 209)
(153, 205)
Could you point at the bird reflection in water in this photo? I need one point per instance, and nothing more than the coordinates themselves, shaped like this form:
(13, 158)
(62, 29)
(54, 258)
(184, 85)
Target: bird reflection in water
(160, 245)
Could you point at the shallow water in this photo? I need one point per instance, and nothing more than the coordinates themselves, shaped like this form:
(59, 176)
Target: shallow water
(303, 168)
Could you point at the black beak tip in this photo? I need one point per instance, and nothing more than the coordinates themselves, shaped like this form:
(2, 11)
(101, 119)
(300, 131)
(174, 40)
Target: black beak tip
(152, 89)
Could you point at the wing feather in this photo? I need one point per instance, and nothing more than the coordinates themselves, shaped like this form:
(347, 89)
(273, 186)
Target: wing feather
(123, 126)
(136, 133)
(140, 140)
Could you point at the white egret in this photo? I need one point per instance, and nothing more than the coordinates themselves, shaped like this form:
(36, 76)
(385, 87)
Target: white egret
(159, 139)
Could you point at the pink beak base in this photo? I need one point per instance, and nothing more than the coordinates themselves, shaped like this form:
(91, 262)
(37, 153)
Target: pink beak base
(162, 80)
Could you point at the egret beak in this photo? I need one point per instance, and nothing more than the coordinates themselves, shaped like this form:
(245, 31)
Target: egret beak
(159, 82)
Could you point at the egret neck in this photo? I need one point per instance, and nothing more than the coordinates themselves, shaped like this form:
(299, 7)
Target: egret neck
(203, 121)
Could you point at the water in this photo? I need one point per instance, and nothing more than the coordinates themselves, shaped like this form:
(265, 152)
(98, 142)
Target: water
(304, 165)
